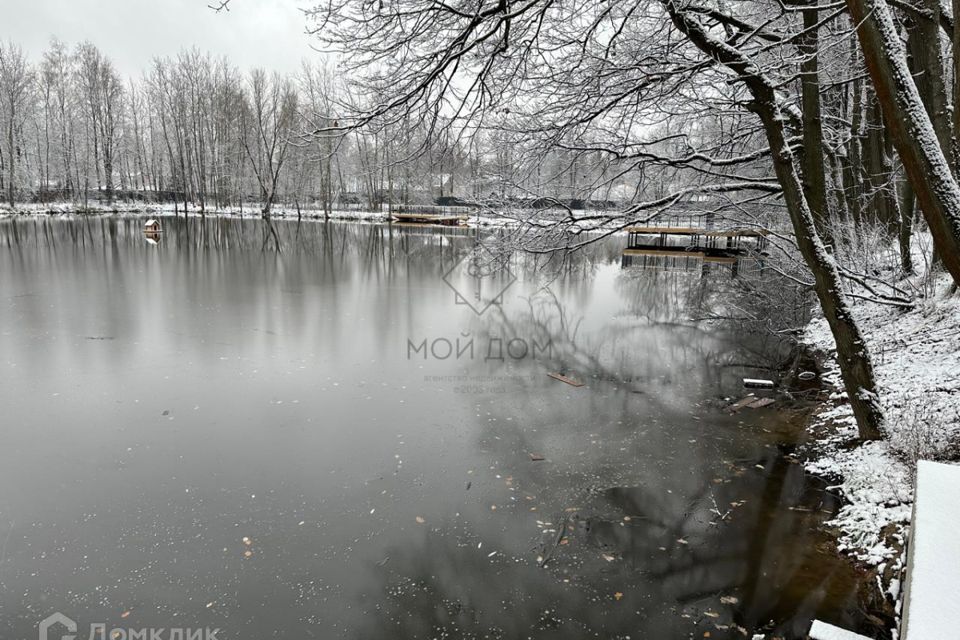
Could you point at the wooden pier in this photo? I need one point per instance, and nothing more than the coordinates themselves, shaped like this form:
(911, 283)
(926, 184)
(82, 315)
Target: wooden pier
(430, 218)
(710, 240)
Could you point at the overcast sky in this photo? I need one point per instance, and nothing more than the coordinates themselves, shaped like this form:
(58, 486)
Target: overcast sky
(266, 33)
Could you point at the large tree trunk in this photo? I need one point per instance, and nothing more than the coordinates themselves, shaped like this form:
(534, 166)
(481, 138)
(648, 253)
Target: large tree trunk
(13, 161)
(880, 178)
(267, 204)
(108, 177)
(814, 176)
(836, 182)
(854, 169)
(906, 228)
(956, 87)
(852, 355)
(910, 128)
(932, 70)
(925, 60)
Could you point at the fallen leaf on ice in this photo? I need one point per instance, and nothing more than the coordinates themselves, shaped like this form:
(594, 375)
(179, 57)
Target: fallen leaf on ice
(420, 520)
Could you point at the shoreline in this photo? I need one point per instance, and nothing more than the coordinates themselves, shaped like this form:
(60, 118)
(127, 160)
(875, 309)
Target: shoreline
(280, 213)
(919, 392)
(168, 209)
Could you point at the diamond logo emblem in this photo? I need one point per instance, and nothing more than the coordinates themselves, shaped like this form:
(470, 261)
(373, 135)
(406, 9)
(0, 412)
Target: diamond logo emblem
(479, 280)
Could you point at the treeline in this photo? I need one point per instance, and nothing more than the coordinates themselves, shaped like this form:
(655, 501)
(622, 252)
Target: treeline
(194, 129)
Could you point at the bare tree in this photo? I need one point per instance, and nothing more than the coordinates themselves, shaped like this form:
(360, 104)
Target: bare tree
(104, 98)
(16, 95)
(270, 117)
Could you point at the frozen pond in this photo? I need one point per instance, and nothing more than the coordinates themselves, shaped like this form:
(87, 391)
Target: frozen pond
(205, 432)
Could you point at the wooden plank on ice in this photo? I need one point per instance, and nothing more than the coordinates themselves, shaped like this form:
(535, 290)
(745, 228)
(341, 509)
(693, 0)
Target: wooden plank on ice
(563, 378)
(741, 403)
(757, 383)
(761, 403)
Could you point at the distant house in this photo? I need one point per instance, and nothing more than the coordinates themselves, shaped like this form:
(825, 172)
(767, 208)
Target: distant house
(151, 226)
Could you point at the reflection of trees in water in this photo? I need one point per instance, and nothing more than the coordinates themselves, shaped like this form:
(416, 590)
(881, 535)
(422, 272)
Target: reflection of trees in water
(763, 553)
(445, 588)
(641, 348)
(376, 243)
(749, 548)
(760, 312)
(764, 560)
(652, 329)
(750, 533)
(763, 303)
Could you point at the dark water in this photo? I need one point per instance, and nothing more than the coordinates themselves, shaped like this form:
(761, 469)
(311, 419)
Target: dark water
(207, 432)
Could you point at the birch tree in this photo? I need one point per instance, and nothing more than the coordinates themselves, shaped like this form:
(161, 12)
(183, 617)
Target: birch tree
(104, 100)
(16, 95)
(269, 120)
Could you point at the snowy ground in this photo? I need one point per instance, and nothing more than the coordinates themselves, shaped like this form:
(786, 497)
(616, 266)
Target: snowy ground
(916, 354)
(279, 212)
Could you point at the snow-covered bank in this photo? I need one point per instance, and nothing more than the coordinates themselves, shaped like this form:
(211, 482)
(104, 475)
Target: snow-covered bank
(158, 209)
(278, 212)
(916, 355)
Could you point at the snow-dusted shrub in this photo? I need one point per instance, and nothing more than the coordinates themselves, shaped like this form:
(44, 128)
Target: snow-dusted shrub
(868, 248)
(925, 429)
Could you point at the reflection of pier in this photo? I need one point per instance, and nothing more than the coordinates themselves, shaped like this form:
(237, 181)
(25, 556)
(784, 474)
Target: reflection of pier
(692, 261)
